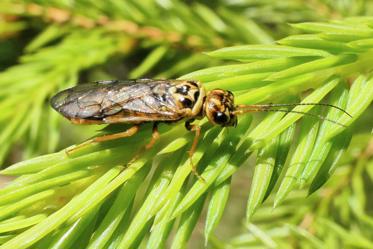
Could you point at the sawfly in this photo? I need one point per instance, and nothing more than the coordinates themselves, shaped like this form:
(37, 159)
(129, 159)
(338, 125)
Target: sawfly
(150, 100)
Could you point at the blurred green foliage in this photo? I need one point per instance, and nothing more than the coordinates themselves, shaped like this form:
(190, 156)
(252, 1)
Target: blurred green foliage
(95, 198)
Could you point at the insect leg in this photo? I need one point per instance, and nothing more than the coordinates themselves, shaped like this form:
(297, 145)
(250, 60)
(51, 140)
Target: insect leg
(155, 136)
(197, 130)
(127, 133)
(154, 139)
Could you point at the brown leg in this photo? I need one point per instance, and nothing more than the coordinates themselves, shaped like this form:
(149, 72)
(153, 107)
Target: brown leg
(197, 130)
(127, 133)
(155, 137)
(153, 140)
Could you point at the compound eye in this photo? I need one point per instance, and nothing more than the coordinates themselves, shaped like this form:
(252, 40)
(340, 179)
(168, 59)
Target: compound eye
(220, 118)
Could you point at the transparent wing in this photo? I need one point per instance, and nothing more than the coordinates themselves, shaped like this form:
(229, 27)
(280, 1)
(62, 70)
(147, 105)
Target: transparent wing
(118, 101)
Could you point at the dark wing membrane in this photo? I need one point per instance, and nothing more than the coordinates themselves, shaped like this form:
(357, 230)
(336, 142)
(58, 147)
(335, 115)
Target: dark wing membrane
(118, 101)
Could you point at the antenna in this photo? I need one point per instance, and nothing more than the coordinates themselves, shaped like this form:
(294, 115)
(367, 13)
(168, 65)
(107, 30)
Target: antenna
(241, 109)
(265, 106)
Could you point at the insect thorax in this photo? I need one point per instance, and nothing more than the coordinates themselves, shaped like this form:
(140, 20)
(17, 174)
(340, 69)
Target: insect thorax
(189, 97)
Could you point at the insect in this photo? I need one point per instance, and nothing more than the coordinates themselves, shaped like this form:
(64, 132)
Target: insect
(148, 100)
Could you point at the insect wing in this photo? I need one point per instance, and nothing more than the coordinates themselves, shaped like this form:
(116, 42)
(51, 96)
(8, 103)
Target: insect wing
(130, 101)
